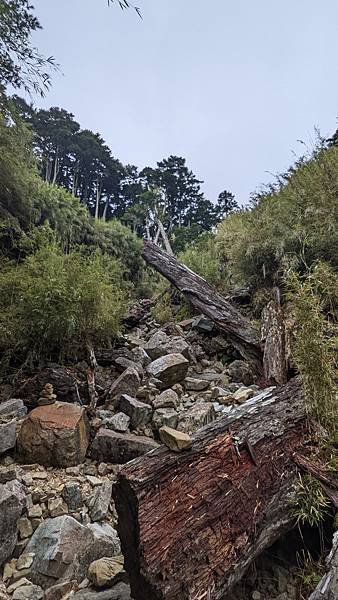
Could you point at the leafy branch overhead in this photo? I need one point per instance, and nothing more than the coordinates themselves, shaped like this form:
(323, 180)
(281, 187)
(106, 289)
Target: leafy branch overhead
(21, 64)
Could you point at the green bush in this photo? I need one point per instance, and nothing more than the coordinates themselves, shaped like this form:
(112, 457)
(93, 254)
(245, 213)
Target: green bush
(53, 304)
(292, 224)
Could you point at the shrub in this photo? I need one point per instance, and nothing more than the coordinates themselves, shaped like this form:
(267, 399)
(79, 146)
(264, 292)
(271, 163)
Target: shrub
(314, 342)
(54, 304)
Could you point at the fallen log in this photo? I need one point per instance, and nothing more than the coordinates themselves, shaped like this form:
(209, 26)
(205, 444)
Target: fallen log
(191, 523)
(208, 301)
(327, 588)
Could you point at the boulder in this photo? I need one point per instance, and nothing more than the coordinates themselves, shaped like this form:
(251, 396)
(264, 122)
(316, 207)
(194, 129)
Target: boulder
(175, 440)
(123, 363)
(139, 412)
(54, 435)
(161, 344)
(169, 369)
(110, 446)
(13, 408)
(119, 422)
(121, 591)
(28, 592)
(64, 549)
(196, 417)
(243, 394)
(60, 591)
(99, 500)
(203, 324)
(72, 495)
(165, 416)
(194, 384)
(12, 502)
(105, 572)
(7, 436)
(240, 372)
(167, 399)
(127, 383)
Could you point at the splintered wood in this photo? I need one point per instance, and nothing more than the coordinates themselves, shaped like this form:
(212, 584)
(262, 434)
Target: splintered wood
(191, 523)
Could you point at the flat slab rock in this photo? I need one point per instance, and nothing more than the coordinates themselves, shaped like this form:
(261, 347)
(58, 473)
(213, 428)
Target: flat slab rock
(169, 369)
(121, 591)
(111, 446)
(54, 435)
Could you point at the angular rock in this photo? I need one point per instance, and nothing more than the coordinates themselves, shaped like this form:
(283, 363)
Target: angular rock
(12, 407)
(240, 372)
(127, 383)
(169, 369)
(196, 417)
(139, 412)
(105, 537)
(243, 394)
(28, 592)
(12, 502)
(64, 549)
(161, 344)
(203, 324)
(118, 422)
(110, 446)
(175, 440)
(167, 399)
(7, 436)
(121, 591)
(165, 416)
(9, 473)
(25, 528)
(195, 385)
(60, 591)
(54, 435)
(98, 502)
(57, 507)
(105, 572)
(72, 495)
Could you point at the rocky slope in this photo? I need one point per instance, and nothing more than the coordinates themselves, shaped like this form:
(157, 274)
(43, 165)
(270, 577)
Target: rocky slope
(59, 457)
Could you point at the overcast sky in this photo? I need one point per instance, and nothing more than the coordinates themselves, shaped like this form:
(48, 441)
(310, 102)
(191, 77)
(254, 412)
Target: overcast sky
(231, 85)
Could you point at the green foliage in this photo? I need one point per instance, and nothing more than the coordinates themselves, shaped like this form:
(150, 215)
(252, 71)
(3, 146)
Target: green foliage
(313, 345)
(309, 572)
(21, 65)
(55, 304)
(292, 223)
(162, 311)
(202, 256)
(310, 505)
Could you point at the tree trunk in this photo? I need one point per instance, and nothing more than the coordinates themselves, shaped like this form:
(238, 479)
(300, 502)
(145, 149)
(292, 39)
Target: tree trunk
(273, 338)
(241, 333)
(191, 523)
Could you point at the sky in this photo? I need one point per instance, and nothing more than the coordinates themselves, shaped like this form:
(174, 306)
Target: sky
(231, 85)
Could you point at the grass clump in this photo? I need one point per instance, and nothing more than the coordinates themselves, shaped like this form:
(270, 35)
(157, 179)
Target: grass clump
(311, 506)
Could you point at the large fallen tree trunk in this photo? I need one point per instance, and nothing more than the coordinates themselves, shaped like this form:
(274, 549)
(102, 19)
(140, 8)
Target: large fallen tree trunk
(191, 523)
(241, 333)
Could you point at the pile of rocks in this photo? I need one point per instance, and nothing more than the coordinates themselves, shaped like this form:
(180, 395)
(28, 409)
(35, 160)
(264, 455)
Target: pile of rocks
(58, 535)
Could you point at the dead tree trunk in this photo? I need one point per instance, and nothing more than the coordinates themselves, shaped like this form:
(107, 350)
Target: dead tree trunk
(241, 333)
(191, 523)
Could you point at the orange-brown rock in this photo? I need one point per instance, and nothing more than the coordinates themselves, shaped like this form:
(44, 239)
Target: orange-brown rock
(55, 435)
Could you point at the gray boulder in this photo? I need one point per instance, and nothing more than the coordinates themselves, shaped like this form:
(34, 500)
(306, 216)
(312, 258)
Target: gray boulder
(240, 372)
(12, 407)
(72, 495)
(119, 422)
(99, 500)
(110, 446)
(28, 592)
(202, 413)
(7, 436)
(165, 416)
(121, 591)
(167, 399)
(194, 384)
(139, 412)
(161, 344)
(64, 549)
(127, 383)
(12, 502)
(169, 369)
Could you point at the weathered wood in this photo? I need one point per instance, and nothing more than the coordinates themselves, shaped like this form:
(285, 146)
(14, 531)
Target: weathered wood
(191, 523)
(327, 588)
(273, 339)
(241, 333)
